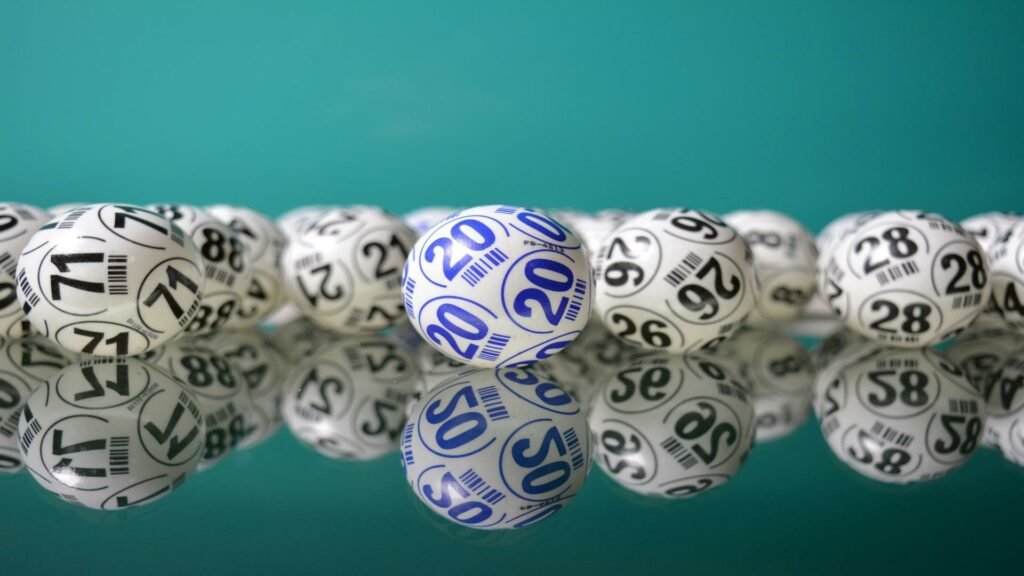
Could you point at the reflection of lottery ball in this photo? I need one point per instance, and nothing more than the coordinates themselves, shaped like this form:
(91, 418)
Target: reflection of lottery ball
(907, 279)
(17, 224)
(264, 369)
(264, 243)
(226, 265)
(786, 261)
(780, 373)
(110, 279)
(1007, 258)
(980, 351)
(111, 433)
(498, 285)
(1004, 395)
(348, 401)
(496, 448)
(220, 391)
(345, 269)
(24, 365)
(901, 416)
(424, 219)
(675, 280)
(989, 227)
(301, 338)
(672, 426)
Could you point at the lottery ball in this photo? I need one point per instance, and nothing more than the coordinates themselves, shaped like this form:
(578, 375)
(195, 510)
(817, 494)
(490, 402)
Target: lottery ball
(345, 269)
(264, 244)
(24, 365)
(264, 369)
(786, 260)
(907, 279)
(220, 391)
(675, 280)
(1004, 400)
(672, 426)
(426, 218)
(227, 267)
(110, 279)
(989, 227)
(496, 448)
(780, 373)
(294, 222)
(18, 222)
(901, 416)
(1007, 260)
(348, 401)
(498, 286)
(111, 433)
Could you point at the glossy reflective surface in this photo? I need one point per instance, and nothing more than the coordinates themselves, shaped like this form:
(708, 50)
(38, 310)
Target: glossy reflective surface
(329, 487)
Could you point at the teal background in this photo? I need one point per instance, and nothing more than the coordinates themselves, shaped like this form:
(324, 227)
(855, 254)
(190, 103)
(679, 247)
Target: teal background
(813, 108)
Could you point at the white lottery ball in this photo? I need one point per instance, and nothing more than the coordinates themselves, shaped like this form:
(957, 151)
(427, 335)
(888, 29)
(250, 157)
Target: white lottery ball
(111, 433)
(496, 448)
(226, 264)
(348, 401)
(18, 222)
(265, 244)
(901, 416)
(220, 391)
(498, 285)
(426, 218)
(786, 260)
(264, 369)
(110, 279)
(1004, 395)
(1007, 260)
(672, 426)
(24, 365)
(675, 280)
(293, 222)
(344, 270)
(907, 279)
(989, 227)
(780, 373)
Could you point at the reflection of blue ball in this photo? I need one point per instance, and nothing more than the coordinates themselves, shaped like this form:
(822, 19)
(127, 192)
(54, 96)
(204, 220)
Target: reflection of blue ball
(496, 448)
(498, 286)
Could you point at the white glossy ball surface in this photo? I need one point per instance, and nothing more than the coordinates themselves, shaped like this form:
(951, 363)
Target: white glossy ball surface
(907, 279)
(18, 222)
(675, 280)
(786, 260)
(111, 279)
(344, 270)
(498, 285)
(264, 243)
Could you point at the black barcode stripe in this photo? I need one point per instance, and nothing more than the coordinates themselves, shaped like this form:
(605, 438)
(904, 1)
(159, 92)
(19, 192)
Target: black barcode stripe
(679, 452)
(890, 434)
(71, 217)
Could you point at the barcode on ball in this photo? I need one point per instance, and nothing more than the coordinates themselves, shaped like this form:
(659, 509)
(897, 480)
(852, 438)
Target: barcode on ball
(890, 434)
(576, 303)
(483, 265)
(492, 349)
(221, 275)
(119, 456)
(492, 403)
(410, 287)
(407, 443)
(944, 226)
(963, 406)
(572, 441)
(682, 271)
(966, 301)
(31, 298)
(471, 480)
(30, 435)
(117, 274)
(220, 416)
(897, 272)
(9, 264)
(71, 217)
(685, 458)
(829, 426)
